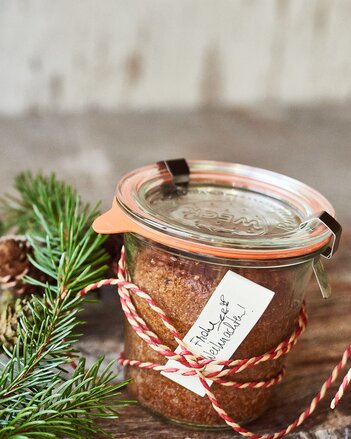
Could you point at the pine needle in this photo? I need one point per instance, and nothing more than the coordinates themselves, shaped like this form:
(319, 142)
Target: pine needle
(39, 395)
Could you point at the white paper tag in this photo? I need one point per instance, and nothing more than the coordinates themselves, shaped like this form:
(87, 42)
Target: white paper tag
(229, 315)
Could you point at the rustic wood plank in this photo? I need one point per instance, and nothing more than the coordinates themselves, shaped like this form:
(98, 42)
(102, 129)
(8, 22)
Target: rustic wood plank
(311, 361)
(172, 54)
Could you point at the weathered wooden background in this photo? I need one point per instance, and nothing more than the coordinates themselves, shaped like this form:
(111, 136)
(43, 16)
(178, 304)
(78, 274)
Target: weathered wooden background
(67, 55)
(74, 77)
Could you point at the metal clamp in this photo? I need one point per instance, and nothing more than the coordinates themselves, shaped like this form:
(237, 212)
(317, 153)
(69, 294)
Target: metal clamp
(330, 223)
(335, 228)
(179, 172)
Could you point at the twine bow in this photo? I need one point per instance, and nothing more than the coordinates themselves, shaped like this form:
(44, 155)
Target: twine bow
(193, 365)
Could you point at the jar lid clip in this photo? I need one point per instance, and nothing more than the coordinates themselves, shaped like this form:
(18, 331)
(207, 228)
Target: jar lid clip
(179, 172)
(318, 268)
(330, 223)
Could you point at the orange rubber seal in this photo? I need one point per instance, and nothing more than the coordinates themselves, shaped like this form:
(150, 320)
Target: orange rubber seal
(116, 220)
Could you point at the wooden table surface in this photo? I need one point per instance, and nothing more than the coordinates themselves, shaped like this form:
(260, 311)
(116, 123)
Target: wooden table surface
(93, 150)
(309, 364)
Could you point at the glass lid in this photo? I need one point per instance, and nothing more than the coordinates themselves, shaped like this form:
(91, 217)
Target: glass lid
(230, 207)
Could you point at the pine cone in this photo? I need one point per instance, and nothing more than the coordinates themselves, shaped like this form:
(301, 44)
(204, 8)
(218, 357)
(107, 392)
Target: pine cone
(14, 264)
(11, 309)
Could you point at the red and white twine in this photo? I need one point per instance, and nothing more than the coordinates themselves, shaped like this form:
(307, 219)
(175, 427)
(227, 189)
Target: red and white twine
(193, 365)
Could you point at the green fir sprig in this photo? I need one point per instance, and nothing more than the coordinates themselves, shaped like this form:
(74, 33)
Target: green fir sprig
(40, 396)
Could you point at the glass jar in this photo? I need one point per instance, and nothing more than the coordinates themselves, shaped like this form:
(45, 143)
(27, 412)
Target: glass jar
(184, 228)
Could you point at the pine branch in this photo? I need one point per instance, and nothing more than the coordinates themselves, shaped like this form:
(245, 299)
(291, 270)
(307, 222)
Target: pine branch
(38, 397)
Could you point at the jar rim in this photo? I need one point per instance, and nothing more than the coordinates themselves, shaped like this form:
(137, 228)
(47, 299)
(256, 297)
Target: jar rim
(225, 209)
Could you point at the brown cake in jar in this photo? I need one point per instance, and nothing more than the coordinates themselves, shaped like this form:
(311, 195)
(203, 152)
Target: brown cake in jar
(182, 234)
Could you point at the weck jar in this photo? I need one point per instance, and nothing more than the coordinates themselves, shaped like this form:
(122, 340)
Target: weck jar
(185, 224)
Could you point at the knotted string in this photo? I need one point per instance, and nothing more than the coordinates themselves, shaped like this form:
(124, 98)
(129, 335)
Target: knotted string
(194, 365)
